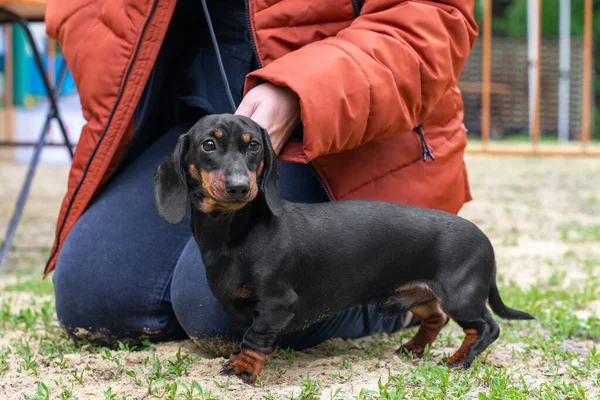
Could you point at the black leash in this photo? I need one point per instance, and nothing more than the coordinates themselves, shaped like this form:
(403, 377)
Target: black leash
(218, 52)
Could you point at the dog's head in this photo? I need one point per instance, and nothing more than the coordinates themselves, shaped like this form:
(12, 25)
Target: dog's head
(220, 165)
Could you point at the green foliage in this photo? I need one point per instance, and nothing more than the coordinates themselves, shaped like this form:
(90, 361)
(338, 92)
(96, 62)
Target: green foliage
(513, 22)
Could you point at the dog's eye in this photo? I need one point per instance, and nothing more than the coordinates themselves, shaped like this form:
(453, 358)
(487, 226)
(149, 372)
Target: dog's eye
(253, 146)
(209, 146)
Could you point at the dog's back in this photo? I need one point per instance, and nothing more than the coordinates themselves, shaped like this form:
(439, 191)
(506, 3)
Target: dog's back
(349, 252)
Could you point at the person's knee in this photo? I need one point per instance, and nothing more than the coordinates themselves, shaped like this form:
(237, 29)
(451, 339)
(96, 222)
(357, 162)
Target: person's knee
(197, 310)
(79, 309)
(90, 304)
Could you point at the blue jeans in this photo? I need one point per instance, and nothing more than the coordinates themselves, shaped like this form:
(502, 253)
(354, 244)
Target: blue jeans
(124, 274)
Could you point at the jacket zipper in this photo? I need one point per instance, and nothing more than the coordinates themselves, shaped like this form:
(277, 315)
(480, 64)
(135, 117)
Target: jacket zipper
(251, 37)
(251, 34)
(357, 5)
(95, 149)
(426, 151)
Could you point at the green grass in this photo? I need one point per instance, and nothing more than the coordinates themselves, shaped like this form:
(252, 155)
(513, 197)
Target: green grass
(309, 389)
(550, 301)
(575, 232)
(30, 281)
(435, 382)
(544, 346)
(518, 138)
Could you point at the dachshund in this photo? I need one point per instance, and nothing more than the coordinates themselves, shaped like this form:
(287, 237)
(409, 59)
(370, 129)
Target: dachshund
(278, 267)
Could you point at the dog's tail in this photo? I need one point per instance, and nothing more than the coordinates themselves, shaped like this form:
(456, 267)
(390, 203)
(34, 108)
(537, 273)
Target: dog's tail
(501, 309)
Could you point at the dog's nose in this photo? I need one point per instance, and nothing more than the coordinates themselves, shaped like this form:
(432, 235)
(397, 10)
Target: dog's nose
(237, 187)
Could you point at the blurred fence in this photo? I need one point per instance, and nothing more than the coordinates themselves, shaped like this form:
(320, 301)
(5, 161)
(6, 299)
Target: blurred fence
(509, 83)
(513, 96)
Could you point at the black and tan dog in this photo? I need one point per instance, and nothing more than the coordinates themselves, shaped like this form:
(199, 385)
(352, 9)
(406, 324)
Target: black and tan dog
(278, 267)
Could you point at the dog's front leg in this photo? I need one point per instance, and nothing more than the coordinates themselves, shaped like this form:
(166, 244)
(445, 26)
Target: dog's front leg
(271, 317)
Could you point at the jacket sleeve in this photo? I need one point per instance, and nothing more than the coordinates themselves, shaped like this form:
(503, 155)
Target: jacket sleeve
(380, 76)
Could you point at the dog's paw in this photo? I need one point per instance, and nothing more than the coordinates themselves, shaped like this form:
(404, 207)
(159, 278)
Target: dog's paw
(454, 364)
(246, 365)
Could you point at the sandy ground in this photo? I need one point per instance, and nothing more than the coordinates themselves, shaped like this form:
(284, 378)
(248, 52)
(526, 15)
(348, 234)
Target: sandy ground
(525, 205)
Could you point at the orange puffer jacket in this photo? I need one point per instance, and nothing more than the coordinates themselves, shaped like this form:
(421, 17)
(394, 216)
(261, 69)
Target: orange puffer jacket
(367, 72)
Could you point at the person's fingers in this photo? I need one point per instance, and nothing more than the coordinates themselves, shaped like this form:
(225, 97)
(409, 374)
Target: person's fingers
(253, 108)
(274, 108)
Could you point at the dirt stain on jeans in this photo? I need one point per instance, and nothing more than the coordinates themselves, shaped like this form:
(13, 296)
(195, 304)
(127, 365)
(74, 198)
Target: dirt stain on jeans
(217, 346)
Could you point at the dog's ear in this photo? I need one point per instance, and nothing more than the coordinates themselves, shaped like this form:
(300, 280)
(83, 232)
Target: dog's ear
(170, 184)
(270, 178)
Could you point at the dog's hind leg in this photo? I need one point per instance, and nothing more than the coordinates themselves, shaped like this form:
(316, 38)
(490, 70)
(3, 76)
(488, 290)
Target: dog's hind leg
(493, 333)
(480, 334)
(433, 320)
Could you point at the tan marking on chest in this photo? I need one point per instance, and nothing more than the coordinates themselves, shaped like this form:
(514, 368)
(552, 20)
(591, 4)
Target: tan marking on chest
(244, 292)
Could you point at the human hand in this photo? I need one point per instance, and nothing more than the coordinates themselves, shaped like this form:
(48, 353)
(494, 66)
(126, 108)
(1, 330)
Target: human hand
(275, 108)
